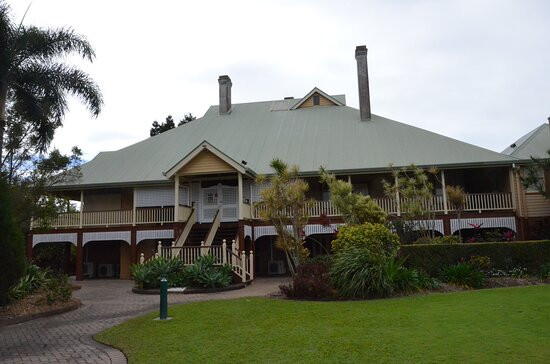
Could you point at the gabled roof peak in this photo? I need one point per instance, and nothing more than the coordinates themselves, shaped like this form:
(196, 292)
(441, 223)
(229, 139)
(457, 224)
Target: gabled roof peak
(316, 90)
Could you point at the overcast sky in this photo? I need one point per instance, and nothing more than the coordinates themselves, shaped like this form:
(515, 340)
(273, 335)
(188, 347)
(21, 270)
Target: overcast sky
(478, 71)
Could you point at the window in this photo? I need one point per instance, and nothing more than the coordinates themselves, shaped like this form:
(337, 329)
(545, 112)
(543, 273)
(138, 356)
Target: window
(211, 198)
(316, 100)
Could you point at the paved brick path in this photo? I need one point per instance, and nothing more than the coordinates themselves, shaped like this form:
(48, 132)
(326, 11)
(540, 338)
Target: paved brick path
(67, 338)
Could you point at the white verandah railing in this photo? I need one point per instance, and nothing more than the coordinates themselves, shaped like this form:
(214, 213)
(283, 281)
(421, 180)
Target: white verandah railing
(474, 202)
(144, 215)
(242, 264)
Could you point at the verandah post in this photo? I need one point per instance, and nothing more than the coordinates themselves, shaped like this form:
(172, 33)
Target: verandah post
(176, 197)
(243, 264)
(251, 264)
(202, 248)
(159, 249)
(444, 188)
(224, 252)
(397, 198)
(233, 251)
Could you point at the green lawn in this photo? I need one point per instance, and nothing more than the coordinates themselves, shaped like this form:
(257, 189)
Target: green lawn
(498, 325)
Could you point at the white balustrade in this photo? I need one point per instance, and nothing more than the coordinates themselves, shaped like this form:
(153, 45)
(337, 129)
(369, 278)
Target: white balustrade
(474, 202)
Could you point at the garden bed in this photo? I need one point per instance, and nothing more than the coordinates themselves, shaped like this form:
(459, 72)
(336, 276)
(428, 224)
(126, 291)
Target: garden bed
(156, 291)
(32, 307)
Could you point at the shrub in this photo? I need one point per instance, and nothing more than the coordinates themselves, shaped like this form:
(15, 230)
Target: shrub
(377, 239)
(504, 255)
(445, 239)
(355, 274)
(57, 289)
(204, 274)
(12, 257)
(148, 275)
(408, 280)
(33, 279)
(312, 280)
(480, 263)
(544, 271)
(463, 274)
(405, 230)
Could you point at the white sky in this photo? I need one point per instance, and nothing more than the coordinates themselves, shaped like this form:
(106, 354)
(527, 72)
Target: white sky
(477, 71)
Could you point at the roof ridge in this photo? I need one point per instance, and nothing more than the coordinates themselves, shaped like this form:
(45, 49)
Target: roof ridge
(532, 133)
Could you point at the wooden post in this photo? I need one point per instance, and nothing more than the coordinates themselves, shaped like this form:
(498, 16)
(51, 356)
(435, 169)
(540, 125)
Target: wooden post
(172, 249)
(141, 258)
(133, 247)
(79, 257)
(224, 252)
(233, 251)
(159, 249)
(81, 207)
(134, 208)
(397, 196)
(513, 189)
(202, 248)
(243, 265)
(176, 197)
(240, 194)
(251, 264)
(444, 188)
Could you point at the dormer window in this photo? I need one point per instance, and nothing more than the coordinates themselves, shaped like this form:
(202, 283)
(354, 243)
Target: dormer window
(317, 97)
(316, 100)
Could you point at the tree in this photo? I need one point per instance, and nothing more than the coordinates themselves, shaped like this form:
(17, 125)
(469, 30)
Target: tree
(457, 200)
(30, 193)
(34, 80)
(355, 208)
(284, 204)
(169, 124)
(532, 176)
(416, 197)
(12, 259)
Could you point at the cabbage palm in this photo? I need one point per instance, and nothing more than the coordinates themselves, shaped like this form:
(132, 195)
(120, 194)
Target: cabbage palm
(34, 80)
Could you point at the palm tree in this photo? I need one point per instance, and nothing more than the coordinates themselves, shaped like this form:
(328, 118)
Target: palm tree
(34, 81)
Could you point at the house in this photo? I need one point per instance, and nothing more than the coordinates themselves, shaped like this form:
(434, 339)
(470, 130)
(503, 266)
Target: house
(535, 209)
(195, 185)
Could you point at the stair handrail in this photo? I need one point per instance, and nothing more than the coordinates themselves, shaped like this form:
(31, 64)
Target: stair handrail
(213, 229)
(182, 239)
(185, 233)
(242, 265)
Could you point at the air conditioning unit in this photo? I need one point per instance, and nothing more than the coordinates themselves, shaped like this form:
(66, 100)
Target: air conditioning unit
(277, 267)
(105, 270)
(88, 269)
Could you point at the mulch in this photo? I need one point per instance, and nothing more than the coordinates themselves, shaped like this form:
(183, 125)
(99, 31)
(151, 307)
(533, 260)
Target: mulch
(32, 307)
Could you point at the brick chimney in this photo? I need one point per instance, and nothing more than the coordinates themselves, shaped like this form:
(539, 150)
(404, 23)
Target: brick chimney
(225, 94)
(363, 81)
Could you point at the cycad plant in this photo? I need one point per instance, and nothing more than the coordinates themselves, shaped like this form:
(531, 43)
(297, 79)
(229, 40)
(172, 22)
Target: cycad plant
(34, 79)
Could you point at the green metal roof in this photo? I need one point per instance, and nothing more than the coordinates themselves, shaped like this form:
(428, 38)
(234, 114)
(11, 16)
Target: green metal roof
(257, 132)
(536, 143)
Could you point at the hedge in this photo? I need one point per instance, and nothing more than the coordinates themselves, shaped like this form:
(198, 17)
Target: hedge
(505, 255)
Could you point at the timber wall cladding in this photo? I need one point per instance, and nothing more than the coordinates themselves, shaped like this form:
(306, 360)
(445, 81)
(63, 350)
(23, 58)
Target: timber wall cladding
(323, 101)
(206, 162)
(537, 205)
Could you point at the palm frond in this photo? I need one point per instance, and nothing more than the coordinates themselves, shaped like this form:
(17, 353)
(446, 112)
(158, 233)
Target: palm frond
(34, 43)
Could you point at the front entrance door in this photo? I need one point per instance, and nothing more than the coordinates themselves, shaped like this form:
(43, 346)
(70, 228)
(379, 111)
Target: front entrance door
(219, 196)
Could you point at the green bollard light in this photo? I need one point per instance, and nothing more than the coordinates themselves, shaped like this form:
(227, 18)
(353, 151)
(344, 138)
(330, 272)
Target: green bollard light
(163, 299)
